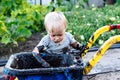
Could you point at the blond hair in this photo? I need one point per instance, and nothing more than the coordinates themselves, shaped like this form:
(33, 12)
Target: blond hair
(54, 20)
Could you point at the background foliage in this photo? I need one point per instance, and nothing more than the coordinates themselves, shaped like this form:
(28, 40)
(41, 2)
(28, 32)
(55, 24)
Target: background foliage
(19, 20)
(82, 23)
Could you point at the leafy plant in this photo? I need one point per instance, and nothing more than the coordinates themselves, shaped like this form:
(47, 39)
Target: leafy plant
(4, 33)
(20, 20)
(84, 22)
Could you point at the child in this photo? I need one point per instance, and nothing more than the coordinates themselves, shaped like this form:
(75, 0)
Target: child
(57, 40)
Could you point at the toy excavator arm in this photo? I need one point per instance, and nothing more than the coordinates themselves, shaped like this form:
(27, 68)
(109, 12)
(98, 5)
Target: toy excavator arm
(100, 53)
(95, 36)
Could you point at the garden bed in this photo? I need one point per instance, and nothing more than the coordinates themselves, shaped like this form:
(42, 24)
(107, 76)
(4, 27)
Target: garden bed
(26, 46)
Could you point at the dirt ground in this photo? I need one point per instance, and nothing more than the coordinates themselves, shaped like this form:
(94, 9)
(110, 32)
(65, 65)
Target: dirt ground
(108, 68)
(109, 64)
(26, 46)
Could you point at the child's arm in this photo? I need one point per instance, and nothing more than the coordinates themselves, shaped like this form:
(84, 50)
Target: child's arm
(41, 45)
(73, 42)
(38, 49)
(35, 50)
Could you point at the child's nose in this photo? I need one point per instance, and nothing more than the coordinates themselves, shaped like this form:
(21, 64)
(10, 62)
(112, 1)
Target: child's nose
(57, 38)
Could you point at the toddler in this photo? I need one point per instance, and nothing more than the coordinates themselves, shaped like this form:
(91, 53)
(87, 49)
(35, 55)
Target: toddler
(57, 40)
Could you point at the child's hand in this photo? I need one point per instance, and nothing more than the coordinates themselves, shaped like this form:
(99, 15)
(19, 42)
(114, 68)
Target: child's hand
(45, 64)
(40, 48)
(79, 47)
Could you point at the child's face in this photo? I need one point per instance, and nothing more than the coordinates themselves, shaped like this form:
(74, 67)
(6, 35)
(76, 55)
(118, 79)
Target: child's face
(57, 35)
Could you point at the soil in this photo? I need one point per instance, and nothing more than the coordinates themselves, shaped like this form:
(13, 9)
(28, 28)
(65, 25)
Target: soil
(26, 46)
(107, 68)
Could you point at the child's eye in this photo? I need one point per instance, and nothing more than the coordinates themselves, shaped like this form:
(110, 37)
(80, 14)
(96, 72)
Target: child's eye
(60, 35)
(53, 35)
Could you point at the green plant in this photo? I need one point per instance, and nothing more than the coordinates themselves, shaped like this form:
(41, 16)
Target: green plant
(20, 20)
(4, 33)
(84, 22)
